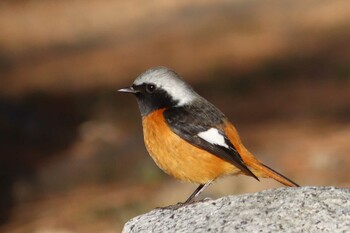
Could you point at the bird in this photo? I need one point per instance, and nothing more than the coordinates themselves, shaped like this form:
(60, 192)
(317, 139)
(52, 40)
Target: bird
(188, 137)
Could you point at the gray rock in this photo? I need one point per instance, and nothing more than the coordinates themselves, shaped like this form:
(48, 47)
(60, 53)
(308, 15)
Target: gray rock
(305, 209)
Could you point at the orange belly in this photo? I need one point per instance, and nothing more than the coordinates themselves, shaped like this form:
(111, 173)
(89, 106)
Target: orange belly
(177, 157)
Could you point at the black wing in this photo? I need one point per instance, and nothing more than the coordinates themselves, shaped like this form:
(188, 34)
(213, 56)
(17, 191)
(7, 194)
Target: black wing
(188, 121)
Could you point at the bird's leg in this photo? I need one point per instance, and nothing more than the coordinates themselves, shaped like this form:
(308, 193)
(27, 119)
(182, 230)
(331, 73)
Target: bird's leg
(196, 192)
(191, 199)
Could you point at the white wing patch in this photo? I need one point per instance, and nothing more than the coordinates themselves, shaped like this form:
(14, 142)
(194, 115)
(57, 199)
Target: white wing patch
(213, 136)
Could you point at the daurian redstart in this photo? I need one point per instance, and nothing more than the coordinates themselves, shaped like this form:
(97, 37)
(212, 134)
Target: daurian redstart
(188, 137)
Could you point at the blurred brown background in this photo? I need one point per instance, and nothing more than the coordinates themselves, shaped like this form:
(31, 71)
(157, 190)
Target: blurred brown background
(72, 157)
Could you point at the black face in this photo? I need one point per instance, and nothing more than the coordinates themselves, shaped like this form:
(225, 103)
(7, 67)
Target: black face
(150, 98)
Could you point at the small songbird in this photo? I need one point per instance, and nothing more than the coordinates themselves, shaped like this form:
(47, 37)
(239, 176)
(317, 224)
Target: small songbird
(188, 137)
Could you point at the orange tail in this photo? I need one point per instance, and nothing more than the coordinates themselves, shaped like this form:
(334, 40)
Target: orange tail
(258, 168)
(265, 171)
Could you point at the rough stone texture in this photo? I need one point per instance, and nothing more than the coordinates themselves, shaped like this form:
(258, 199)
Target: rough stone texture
(306, 209)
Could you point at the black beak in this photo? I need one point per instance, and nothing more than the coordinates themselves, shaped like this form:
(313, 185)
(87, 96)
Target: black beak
(128, 90)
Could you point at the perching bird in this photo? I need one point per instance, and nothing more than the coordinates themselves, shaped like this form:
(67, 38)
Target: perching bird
(188, 137)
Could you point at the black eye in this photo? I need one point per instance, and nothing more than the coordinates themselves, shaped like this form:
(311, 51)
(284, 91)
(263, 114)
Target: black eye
(150, 88)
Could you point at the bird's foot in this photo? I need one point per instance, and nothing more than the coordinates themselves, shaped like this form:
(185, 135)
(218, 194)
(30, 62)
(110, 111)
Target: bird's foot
(182, 204)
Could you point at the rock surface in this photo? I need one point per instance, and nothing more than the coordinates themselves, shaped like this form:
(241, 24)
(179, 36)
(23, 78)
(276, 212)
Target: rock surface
(305, 209)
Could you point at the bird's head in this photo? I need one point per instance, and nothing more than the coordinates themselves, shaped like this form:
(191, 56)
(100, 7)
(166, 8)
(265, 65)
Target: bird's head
(159, 88)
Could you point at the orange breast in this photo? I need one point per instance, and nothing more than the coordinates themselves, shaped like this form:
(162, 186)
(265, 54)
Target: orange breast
(179, 158)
